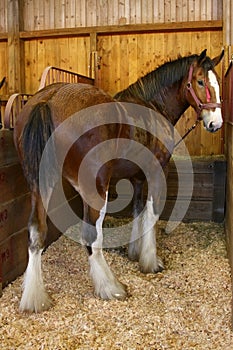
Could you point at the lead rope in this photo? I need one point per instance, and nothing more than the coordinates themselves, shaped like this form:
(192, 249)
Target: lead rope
(188, 131)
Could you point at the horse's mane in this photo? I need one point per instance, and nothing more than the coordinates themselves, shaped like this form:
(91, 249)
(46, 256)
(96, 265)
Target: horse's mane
(170, 72)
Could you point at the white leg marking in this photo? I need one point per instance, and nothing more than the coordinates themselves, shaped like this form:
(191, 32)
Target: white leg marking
(34, 298)
(135, 241)
(105, 283)
(149, 261)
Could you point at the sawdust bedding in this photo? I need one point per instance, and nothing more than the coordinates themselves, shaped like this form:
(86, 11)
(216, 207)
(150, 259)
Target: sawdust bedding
(187, 306)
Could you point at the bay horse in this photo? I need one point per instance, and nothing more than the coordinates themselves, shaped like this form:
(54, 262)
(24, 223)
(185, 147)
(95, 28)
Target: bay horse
(169, 90)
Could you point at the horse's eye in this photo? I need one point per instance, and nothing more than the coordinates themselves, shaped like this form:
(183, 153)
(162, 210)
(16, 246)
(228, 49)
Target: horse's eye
(201, 83)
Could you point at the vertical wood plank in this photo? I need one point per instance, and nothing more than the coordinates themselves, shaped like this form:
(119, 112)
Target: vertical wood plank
(115, 64)
(179, 4)
(209, 5)
(3, 16)
(184, 11)
(4, 65)
(127, 11)
(103, 12)
(173, 11)
(91, 13)
(15, 48)
(203, 10)
(191, 10)
(132, 58)
(167, 10)
(138, 12)
(197, 12)
(161, 10)
(132, 10)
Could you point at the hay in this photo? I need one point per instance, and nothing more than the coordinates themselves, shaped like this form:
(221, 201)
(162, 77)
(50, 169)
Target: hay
(187, 306)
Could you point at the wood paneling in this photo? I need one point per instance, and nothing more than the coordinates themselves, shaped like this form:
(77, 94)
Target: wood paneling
(13, 256)
(43, 14)
(207, 201)
(61, 34)
(3, 16)
(72, 53)
(8, 153)
(126, 57)
(3, 67)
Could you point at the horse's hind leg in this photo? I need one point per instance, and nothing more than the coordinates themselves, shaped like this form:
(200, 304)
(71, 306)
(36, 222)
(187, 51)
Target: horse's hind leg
(149, 262)
(106, 285)
(35, 297)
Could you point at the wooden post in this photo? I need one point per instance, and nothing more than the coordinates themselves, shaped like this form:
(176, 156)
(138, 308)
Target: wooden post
(94, 59)
(15, 47)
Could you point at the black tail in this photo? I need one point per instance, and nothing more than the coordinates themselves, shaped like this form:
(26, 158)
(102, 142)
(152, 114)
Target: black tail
(35, 136)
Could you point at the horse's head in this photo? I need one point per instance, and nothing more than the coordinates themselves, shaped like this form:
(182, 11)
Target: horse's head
(203, 91)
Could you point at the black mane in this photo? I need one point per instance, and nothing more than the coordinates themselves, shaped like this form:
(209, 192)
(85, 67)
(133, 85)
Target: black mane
(146, 87)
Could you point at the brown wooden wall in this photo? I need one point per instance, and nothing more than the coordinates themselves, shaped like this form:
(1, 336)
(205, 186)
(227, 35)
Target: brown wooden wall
(129, 37)
(40, 14)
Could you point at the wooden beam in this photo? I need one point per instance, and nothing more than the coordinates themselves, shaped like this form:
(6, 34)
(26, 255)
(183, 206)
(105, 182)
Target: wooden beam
(116, 29)
(15, 48)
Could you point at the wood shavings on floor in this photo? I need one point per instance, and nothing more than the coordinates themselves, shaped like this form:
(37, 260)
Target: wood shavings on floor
(187, 306)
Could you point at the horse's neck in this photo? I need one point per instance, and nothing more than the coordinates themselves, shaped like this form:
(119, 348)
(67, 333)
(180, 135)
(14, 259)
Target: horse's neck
(171, 103)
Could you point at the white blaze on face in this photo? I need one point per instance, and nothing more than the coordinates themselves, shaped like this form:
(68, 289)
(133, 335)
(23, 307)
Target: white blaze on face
(213, 119)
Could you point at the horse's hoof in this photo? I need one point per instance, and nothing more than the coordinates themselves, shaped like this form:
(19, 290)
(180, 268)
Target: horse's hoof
(36, 306)
(123, 293)
(154, 267)
(114, 291)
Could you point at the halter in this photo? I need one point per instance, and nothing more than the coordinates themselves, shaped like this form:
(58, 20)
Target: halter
(199, 105)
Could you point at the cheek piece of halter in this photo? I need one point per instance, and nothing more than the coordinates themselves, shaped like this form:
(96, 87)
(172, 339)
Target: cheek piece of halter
(199, 105)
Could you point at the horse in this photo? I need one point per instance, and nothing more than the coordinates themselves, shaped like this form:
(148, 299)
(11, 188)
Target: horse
(169, 90)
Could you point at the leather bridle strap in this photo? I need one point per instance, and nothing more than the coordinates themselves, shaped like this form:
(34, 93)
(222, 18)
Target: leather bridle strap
(199, 105)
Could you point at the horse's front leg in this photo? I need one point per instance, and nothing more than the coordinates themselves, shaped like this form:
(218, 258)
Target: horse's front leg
(106, 285)
(35, 297)
(134, 247)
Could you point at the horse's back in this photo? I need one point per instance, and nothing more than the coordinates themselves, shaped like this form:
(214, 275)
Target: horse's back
(64, 99)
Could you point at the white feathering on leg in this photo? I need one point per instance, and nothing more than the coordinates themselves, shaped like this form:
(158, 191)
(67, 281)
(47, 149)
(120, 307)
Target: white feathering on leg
(105, 283)
(149, 261)
(35, 297)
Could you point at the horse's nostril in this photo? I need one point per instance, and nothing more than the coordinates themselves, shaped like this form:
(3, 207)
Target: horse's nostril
(211, 125)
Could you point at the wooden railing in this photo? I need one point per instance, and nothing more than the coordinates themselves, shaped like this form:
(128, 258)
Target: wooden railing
(53, 75)
(13, 107)
(49, 76)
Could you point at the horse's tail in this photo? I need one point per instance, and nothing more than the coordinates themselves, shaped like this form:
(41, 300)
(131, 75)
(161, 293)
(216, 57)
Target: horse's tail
(36, 134)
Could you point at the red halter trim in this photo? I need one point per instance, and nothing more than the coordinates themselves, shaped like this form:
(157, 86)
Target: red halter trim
(199, 105)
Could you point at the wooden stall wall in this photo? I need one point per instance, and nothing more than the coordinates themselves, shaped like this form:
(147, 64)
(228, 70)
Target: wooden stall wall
(228, 110)
(85, 13)
(130, 38)
(124, 58)
(70, 53)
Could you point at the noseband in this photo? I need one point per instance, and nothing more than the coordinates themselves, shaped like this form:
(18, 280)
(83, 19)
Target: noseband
(199, 105)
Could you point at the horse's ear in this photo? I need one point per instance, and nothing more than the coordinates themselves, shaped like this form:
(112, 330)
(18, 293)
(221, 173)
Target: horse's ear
(217, 59)
(202, 56)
